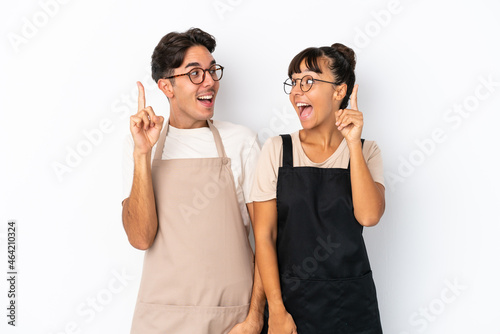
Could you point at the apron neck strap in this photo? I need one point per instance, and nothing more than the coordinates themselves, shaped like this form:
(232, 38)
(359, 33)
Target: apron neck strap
(218, 140)
(161, 142)
(287, 151)
(215, 133)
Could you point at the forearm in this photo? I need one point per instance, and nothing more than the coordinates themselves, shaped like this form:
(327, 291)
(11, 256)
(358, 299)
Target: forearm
(266, 232)
(267, 264)
(139, 210)
(368, 196)
(258, 300)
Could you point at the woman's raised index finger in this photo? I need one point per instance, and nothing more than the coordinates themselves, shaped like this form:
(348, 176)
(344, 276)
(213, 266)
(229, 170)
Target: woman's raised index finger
(354, 98)
(142, 97)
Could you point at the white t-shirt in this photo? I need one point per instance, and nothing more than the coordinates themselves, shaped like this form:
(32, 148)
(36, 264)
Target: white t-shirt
(240, 143)
(271, 158)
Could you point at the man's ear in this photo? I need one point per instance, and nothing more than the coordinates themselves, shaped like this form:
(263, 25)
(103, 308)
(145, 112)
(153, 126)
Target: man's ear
(165, 85)
(340, 92)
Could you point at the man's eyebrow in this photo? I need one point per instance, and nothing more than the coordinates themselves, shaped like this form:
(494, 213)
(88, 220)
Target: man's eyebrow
(198, 64)
(192, 64)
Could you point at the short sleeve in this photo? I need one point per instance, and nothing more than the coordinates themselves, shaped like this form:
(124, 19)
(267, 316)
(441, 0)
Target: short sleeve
(266, 174)
(374, 162)
(249, 168)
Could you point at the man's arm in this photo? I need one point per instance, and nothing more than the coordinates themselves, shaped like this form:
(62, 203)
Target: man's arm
(139, 210)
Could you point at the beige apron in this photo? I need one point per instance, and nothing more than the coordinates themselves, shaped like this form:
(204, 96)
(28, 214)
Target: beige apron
(198, 274)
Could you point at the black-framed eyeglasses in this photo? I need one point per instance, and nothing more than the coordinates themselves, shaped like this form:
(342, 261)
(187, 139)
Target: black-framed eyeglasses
(197, 74)
(306, 83)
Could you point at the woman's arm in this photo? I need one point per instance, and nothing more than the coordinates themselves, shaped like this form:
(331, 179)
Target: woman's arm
(368, 197)
(255, 318)
(266, 230)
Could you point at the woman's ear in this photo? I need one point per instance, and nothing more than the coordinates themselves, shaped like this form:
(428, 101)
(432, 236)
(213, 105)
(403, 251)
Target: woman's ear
(340, 92)
(165, 85)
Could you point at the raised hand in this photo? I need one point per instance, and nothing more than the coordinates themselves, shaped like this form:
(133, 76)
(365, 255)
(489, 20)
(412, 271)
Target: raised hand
(350, 121)
(145, 126)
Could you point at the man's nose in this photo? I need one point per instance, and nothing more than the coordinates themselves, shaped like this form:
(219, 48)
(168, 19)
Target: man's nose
(208, 80)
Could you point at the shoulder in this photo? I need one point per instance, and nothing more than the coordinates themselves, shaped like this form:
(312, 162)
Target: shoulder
(370, 148)
(239, 141)
(373, 158)
(233, 131)
(273, 144)
(276, 143)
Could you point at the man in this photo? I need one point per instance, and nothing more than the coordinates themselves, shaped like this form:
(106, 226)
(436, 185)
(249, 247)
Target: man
(187, 206)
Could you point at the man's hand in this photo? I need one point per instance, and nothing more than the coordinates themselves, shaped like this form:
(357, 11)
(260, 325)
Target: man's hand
(145, 126)
(248, 327)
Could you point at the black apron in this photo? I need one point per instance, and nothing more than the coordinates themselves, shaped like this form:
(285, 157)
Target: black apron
(325, 275)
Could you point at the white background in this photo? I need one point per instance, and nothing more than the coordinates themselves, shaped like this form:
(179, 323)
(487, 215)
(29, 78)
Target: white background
(68, 69)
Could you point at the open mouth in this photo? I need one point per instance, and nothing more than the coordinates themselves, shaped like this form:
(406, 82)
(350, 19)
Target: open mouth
(207, 99)
(305, 110)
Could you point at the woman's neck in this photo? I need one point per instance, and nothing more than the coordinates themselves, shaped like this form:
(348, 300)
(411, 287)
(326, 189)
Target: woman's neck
(323, 136)
(320, 142)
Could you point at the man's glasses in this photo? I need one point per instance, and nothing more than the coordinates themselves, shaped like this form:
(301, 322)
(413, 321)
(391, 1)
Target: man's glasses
(197, 74)
(306, 83)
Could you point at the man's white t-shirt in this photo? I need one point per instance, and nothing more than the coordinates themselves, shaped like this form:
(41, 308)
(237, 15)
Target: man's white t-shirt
(240, 143)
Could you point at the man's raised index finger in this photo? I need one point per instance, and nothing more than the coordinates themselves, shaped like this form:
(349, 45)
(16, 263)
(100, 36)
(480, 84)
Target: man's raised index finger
(354, 98)
(142, 97)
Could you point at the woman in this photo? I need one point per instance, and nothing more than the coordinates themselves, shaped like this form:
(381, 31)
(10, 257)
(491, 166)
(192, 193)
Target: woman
(314, 190)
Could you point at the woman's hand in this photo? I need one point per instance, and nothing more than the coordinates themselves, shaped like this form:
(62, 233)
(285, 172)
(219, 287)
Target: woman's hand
(350, 121)
(281, 323)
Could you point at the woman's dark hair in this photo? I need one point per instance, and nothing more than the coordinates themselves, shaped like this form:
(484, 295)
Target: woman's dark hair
(341, 61)
(170, 51)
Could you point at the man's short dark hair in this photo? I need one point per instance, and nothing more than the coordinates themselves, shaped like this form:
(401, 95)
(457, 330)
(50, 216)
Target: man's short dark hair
(170, 51)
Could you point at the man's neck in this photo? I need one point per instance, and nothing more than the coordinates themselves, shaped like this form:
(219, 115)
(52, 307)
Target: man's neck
(186, 122)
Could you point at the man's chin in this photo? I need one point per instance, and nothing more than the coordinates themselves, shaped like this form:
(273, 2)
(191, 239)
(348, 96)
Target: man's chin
(207, 114)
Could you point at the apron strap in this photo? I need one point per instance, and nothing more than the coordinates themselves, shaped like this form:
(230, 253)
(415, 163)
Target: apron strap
(218, 140)
(349, 165)
(287, 151)
(161, 141)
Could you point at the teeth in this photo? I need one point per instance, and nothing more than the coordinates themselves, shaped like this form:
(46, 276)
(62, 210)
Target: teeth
(302, 104)
(206, 97)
